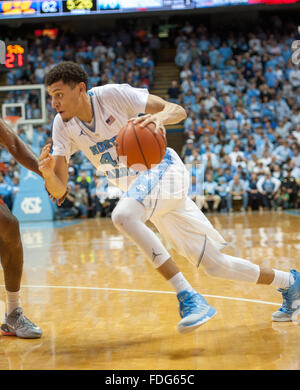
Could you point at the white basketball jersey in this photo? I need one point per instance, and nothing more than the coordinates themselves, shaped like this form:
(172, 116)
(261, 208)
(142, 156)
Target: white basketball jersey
(113, 105)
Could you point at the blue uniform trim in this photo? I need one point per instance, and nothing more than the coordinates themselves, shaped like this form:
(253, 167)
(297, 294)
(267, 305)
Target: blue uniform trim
(94, 116)
(202, 252)
(147, 180)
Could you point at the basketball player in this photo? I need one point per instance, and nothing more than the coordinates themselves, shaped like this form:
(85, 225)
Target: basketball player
(11, 250)
(90, 121)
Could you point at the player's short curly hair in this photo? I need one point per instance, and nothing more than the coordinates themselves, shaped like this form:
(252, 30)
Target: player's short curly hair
(68, 72)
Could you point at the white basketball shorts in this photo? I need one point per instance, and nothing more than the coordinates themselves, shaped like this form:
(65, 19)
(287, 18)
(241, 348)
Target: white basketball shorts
(163, 192)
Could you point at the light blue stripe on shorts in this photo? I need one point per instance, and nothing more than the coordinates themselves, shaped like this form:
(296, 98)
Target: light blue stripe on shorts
(147, 180)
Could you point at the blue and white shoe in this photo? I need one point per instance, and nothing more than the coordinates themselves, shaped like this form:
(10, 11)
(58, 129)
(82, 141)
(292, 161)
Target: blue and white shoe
(194, 311)
(291, 301)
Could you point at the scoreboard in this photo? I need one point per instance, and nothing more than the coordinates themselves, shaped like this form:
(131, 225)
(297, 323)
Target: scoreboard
(13, 55)
(31, 9)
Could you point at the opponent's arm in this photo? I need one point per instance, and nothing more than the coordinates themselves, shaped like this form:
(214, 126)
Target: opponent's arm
(161, 112)
(17, 148)
(55, 172)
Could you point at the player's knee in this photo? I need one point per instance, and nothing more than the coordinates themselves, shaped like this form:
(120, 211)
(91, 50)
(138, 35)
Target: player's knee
(120, 218)
(215, 266)
(208, 268)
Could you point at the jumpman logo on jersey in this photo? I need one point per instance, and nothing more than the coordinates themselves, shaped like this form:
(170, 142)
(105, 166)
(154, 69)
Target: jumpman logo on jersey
(154, 255)
(82, 133)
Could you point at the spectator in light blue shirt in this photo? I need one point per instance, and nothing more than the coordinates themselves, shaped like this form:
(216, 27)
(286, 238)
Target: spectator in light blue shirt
(204, 82)
(237, 190)
(210, 186)
(210, 193)
(209, 157)
(232, 125)
(266, 108)
(228, 174)
(281, 109)
(204, 43)
(213, 56)
(226, 51)
(189, 98)
(258, 136)
(39, 137)
(283, 152)
(183, 57)
(94, 80)
(271, 63)
(270, 134)
(286, 53)
(228, 148)
(271, 78)
(239, 114)
(220, 62)
(227, 88)
(249, 152)
(58, 53)
(192, 123)
(255, 106)
(5, 156)
(189, 120)
(253, 91)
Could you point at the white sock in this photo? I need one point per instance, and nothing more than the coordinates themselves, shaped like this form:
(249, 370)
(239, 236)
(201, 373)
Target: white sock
(12, 301)
(180, 283)
(282, 279)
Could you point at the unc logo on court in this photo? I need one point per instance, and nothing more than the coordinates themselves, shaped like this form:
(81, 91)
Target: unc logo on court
(31, 205)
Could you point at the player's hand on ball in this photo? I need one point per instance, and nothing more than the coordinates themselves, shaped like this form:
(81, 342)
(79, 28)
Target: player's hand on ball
(144, 120)
(46, 161)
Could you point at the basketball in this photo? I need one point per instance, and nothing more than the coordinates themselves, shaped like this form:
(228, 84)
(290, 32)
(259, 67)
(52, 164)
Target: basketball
(140, 147)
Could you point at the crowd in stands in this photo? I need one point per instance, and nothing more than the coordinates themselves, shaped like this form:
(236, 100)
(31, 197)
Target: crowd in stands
(242, 132)
(123, 57)
(241, 93)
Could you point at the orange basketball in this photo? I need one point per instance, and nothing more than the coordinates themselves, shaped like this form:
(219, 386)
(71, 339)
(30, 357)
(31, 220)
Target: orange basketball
(140, 147)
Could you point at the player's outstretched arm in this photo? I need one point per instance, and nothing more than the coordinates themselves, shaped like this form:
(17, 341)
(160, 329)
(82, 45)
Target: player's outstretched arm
(161, 112)
(17, 148)
(55, 172)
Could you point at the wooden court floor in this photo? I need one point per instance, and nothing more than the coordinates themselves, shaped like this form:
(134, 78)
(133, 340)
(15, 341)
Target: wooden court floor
(101, 305)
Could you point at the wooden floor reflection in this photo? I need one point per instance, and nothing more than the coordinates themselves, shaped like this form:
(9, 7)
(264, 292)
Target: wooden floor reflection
(102, 306)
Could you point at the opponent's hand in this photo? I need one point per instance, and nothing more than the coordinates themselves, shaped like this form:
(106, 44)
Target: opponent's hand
(46, 161)
(144, 120)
